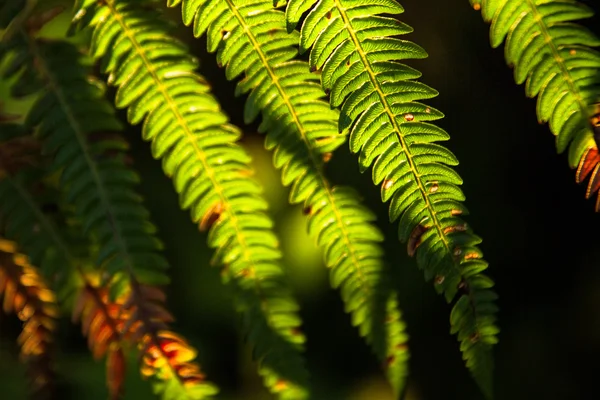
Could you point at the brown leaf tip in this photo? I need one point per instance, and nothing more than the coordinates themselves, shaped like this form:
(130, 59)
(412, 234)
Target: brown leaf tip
(163, 353)
(102, 321)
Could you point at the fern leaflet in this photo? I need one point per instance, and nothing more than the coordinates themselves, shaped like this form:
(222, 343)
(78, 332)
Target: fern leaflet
(356, 49)
(555, 59)
(157, 83)
(251, 40)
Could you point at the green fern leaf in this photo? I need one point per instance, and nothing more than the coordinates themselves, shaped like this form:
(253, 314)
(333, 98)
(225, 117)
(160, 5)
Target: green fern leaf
(77, 127)
(554, 58)
(157, 83)
(302, 130)
(356, 49)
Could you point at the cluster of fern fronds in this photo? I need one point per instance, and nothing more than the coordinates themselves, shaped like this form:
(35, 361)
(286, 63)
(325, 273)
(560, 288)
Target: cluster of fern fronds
(75, 234)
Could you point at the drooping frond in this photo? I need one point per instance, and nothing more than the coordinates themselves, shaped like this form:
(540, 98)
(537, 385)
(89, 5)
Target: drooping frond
(77, 127)
(27, 295)
(355, 47)
(211, 173)
(555, 59)
(301, 128)
(20, 210)
(102, 321)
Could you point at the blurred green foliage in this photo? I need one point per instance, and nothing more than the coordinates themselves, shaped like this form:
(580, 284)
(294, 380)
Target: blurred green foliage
(537, 229)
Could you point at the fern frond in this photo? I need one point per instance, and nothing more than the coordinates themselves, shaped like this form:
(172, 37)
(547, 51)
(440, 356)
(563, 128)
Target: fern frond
(356, 49)
(555, 59)
(27, 295)
(211, 173)
(56, 249)
(76, 125)
(301, 128)
(102, 322)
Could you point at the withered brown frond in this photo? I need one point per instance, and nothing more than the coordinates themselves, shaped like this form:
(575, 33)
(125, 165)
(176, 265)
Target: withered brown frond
(27, 295)
(102, 322)
(163, 354)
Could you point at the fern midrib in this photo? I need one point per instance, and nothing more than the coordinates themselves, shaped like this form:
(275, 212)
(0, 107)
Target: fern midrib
(549, 40)
(411, 162)
(141, 52)
(323, 182)
(80, 136)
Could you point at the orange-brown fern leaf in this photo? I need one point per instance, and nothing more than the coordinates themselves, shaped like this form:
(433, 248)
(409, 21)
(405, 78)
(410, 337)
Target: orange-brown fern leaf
(102, 322)
(27, 295)
(589, 165)
(163, 354)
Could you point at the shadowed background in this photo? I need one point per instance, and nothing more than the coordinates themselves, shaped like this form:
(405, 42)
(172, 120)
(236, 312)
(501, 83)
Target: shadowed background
(536, 225)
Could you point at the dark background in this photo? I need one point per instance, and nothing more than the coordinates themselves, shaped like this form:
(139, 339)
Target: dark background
(539, 234)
